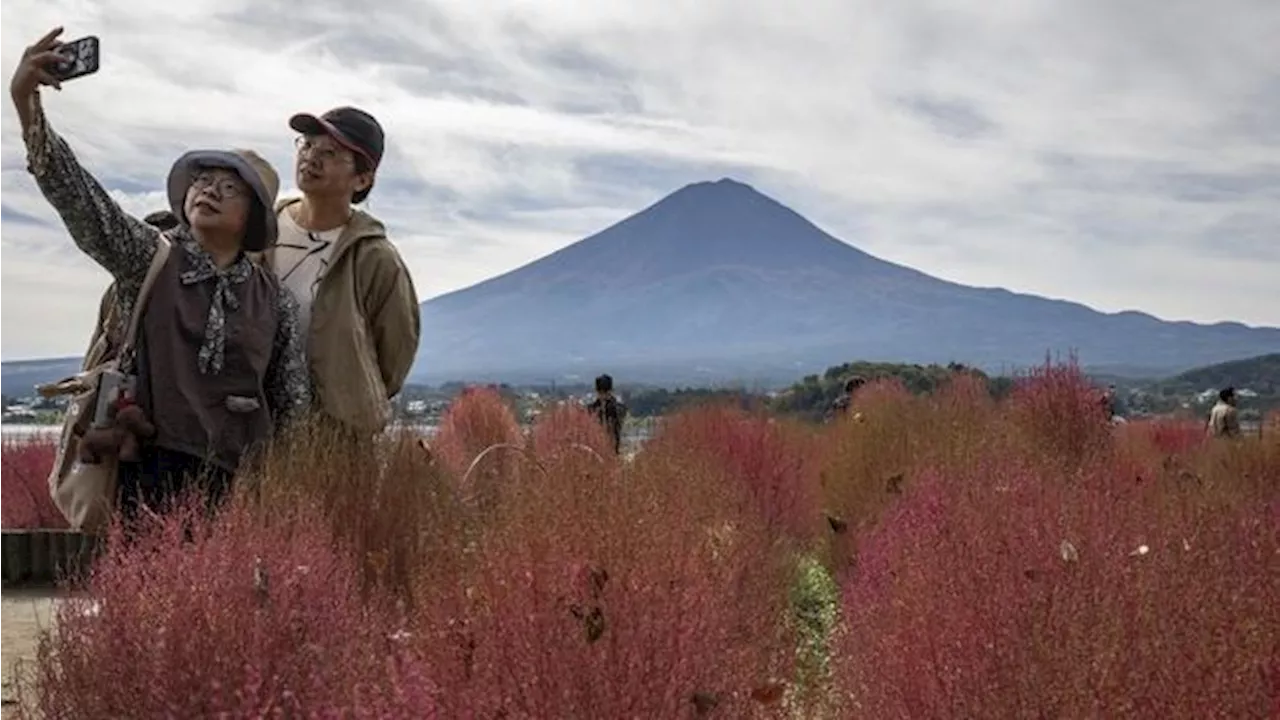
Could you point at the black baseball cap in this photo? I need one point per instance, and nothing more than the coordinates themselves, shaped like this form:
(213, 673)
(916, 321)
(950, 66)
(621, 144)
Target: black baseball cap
(353, 128)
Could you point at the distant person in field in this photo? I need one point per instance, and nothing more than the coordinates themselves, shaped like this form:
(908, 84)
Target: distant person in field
(842, 405)
(1108, 402)
(219, 364)
(609, 410)
(358, 306)
(1224, 418)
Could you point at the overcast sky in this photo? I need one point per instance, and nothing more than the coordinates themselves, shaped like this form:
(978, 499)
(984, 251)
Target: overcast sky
(1122, 154)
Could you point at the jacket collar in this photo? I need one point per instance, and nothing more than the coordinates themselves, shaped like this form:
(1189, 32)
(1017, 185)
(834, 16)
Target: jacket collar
(361, 227)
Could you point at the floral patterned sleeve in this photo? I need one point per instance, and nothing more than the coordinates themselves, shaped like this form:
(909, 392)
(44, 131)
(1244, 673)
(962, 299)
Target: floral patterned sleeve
(120, 243)
(288, 383)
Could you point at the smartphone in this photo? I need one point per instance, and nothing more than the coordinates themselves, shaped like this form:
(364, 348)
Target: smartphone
(80, 58)
(112, 386)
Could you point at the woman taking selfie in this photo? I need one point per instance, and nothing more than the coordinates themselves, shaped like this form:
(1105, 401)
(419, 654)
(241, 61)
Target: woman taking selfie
(219, 362)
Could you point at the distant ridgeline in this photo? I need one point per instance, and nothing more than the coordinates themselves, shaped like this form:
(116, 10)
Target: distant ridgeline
(642, 400)
(1256, 380)
(1260, 374)
(808, 398)
(20, 377)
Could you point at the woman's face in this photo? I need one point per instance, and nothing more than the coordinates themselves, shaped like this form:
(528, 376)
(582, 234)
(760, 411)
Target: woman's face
(218, 201)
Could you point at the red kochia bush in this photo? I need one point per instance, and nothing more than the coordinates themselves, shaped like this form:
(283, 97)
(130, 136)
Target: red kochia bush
(999, 593)
(611, 592)
(885, 392)
(25, 499)
(772, 465)
(1056, 410)
(249, 616)
(477, 419)
(569, 428)
(1166, 436)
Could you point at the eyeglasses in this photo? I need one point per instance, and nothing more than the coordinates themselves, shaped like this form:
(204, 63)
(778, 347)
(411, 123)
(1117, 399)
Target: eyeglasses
(227, 187)
(322, 150)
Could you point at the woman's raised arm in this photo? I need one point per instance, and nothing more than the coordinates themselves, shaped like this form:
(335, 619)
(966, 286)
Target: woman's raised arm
(117, 241)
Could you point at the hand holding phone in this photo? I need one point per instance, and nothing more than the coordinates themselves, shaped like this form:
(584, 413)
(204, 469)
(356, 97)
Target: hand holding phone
(32, 72)
(49, 62)
(77, 59)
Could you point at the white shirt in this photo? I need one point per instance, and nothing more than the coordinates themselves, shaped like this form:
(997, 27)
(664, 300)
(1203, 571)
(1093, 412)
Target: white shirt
(301, 260)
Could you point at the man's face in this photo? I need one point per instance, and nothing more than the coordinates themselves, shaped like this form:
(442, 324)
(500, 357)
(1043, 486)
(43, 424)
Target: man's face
(325, 168)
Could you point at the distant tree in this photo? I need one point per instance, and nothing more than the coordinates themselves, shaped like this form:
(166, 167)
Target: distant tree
(654, 402)
(811, 397)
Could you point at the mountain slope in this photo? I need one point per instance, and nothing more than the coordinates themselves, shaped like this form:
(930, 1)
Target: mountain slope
(20, 377)
(718, 280)
(1260, 373)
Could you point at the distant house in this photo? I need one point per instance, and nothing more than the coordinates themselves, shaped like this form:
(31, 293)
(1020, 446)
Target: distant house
(19, 412)
(1211, 395)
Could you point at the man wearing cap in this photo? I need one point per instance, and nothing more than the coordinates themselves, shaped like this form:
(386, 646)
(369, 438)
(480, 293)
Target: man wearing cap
(359, 310)
(219, 362)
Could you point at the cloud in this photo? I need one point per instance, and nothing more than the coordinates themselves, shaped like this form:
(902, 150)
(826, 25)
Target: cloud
(1125, 155)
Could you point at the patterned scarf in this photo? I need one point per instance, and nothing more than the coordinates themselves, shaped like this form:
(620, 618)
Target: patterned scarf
(213, 350)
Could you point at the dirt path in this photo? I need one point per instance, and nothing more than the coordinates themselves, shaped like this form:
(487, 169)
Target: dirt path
(23, 615)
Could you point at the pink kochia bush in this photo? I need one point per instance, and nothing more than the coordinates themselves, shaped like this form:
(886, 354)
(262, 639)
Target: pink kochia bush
(243, 616)
(477, 420)
(605, 591)
(570, 428)
(1166, 436)
(997, 592)
(1057, 409)
(771, 461)
(25, 500)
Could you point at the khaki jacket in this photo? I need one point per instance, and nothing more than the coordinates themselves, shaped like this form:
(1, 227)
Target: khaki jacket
(102, 344)
(364, 326)
(1224, 421)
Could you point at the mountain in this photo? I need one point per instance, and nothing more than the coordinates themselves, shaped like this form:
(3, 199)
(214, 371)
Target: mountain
(20, 377)
(1260, 374)
(717, 281)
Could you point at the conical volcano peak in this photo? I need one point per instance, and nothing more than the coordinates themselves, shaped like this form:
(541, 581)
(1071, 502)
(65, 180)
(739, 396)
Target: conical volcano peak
(728, 221)
(725, 202)
(719, 275)
(730, 184)
(724, 188)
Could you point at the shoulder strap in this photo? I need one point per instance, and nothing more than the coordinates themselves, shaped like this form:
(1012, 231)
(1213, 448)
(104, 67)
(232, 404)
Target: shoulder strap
(140, 305)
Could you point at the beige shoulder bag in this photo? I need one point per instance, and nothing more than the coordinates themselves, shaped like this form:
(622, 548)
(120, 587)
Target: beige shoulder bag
(86, 493)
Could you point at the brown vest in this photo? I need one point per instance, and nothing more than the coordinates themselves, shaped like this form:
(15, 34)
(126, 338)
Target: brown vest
(190, 410)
